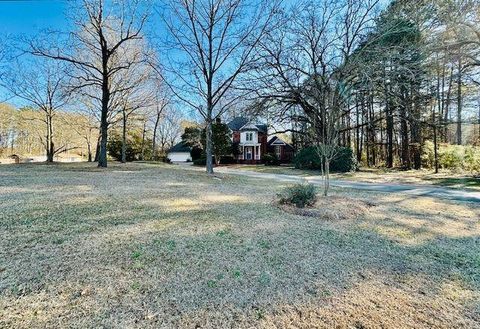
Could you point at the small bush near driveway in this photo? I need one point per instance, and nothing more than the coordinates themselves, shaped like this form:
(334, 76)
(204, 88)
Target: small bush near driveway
(300, 195)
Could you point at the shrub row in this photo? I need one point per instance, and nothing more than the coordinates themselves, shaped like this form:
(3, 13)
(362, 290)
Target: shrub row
(453, 157)
(308, 158)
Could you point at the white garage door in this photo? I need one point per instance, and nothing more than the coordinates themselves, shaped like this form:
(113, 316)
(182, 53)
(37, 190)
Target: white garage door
(179, 156)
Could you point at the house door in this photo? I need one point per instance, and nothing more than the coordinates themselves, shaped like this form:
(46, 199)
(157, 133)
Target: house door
(248, 153)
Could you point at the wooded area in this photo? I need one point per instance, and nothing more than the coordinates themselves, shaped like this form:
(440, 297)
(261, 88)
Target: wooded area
(396, 84)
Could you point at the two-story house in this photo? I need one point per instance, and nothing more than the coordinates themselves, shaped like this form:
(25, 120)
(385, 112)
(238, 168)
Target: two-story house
(251, 139)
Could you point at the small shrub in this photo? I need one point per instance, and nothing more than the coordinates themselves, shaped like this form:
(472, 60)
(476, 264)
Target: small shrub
(300, 195)
(227, 159)
(203, 161)
(200, 162)
(270, 159)
(308, 158)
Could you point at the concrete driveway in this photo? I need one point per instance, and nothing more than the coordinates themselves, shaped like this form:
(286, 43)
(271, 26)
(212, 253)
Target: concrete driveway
(414, 190)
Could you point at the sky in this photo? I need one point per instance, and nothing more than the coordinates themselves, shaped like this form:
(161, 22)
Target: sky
(27, 17)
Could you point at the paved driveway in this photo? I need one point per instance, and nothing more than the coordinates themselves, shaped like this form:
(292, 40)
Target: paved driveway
(414, 190)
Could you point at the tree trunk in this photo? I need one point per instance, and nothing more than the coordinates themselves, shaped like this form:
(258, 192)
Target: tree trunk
(102, 157)
(97, 148)
(208, 147)
(389, 135)
(124, 136)
(154, 141)
(89, 148)
(50, 147)
(389, 122)
(416, 133)
(357, 133)
(447, 107)
(459, 103)
(435, 147)
(326, 184)
(144, 131)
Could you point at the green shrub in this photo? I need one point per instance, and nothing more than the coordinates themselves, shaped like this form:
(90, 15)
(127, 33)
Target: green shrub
(196, 153)
(270, 159)
(200, 162)
(133, 149)
(308, 158)
(300, 195)
(452, 157)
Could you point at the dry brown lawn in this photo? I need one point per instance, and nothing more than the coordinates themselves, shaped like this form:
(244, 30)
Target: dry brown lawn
(446, 178)
(155, 246)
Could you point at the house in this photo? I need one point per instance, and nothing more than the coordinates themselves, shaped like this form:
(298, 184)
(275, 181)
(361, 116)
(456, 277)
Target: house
(180, 153)
(283, 151)
(251, 139)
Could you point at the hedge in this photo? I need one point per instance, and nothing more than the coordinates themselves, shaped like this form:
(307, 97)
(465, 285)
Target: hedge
(308, 158)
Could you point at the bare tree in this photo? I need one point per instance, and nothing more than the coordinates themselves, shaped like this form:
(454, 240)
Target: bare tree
(307, 64)
(86, 126)
(212, 44)
(41, 86)
(169, 128)
(99, 49)
(138, 92)
(163, 99)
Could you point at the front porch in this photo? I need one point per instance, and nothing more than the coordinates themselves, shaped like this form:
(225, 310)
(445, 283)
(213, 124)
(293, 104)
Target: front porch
(250, 153)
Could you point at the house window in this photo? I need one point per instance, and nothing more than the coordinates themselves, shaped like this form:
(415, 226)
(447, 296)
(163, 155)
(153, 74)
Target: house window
(278, 151)
(249, 137)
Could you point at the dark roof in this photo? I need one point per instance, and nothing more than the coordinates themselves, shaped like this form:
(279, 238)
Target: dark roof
(238, 122)
(262, 128)
(180, 147)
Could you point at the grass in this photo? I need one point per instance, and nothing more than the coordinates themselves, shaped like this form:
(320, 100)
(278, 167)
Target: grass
(156, 246)
(418, 177)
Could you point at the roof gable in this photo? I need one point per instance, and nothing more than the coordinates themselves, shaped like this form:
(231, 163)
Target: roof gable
(275, 140)
(241, 123)
(249, 126)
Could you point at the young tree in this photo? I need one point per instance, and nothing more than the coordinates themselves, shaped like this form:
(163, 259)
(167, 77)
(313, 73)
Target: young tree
(99, 49)
(41, 84)
(213, 44)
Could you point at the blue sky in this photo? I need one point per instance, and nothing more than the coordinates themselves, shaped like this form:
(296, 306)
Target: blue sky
(29, 16)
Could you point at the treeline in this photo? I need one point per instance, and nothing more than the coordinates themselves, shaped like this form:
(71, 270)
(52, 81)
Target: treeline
(399, 79)
(417, 83)
(382, 81)
(23, 133)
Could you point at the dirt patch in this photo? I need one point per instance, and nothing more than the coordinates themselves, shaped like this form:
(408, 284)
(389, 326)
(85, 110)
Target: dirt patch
(332, 208)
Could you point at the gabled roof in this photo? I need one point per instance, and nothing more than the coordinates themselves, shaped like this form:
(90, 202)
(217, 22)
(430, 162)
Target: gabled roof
(241, 123)
(275, 140)
(181, 148)
(237, 123)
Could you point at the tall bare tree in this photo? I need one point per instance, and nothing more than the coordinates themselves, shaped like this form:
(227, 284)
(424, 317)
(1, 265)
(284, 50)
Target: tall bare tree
(99, 49)
(41, 84)
(212, 44)
(163, 100)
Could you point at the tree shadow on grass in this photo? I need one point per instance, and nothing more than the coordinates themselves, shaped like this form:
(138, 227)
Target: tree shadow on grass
(230, 259)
